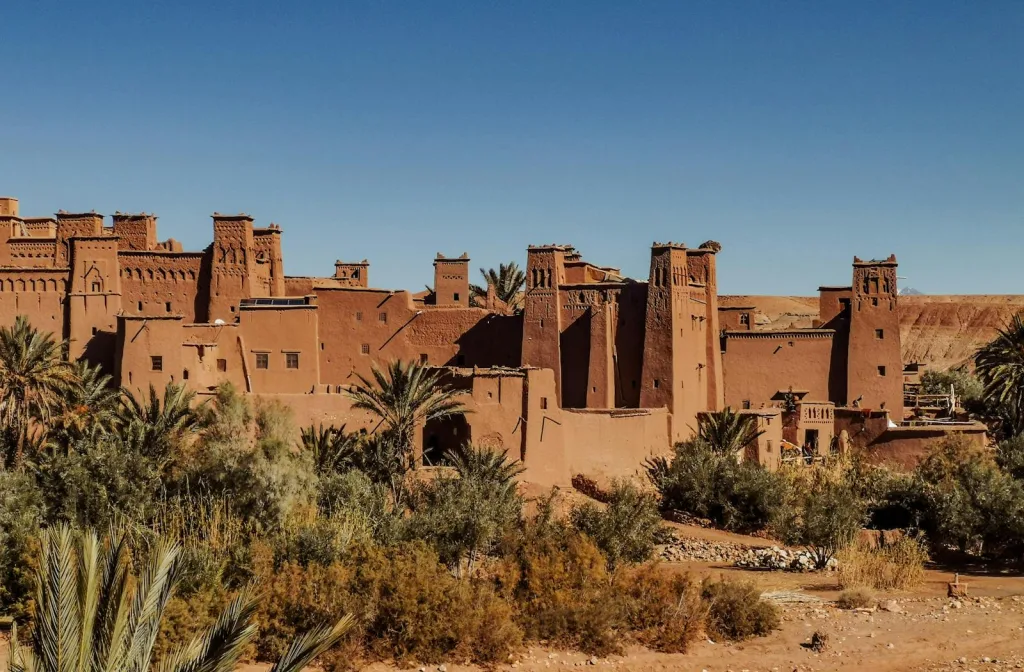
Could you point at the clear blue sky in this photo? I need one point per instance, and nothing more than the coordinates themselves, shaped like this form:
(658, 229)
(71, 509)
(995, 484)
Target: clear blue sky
(797, 134)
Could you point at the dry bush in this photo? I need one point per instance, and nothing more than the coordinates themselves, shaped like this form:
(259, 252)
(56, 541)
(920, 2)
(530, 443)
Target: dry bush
(663, 610)
(737, 612)
(897, 565)
(855, 598)
(187, 616)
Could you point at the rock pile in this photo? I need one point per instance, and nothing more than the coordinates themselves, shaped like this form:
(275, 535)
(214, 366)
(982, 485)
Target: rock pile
(701, 550)
(780, 558)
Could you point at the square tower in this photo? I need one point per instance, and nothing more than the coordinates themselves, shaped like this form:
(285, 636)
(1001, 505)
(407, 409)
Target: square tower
(451, 281)
(874, 360)
(542, 321)
(352, 273)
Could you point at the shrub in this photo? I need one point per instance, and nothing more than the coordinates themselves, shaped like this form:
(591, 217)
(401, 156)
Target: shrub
(737, 612)
(187, 616)
(663, 610)
(1010, 456)
(855, 598)
(966, 386)
(897, 565)
(625, 530)
(560, 580)
(827, 517)
(740, 496)
(21, 507)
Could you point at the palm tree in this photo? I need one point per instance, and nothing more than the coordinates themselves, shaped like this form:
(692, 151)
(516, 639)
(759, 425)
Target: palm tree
(91, 406)
(486, 465)
(726, 431)
(508, 282)
(1000, 366)
(35, 378)
(333, 449)
(156, 423)
(93, 616)
(404, 395)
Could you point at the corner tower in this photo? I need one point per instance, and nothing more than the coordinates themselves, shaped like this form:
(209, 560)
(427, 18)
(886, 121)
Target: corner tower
(545, 272)
(874, 362)
(451, 281)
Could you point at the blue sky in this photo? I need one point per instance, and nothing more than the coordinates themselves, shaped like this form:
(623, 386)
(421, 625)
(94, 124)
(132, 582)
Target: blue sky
(797, 134)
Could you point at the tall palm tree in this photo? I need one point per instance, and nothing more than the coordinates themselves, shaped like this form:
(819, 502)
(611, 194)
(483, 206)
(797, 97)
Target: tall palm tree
(155, 423)
(508, 282)
(35, 378)
(403, 395)
(727, 432)
(92, 615)
(1000, 366)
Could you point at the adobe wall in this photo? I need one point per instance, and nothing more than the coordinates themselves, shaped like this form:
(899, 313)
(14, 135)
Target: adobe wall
(31, 252)
(759, 364)
(36, 293)
(163, 283)
(905, 447)
(361, 327)
(139, 340)
(613, 443)
(273, 338)
(875, 365)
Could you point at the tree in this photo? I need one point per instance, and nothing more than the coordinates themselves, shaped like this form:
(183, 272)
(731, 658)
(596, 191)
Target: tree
(403, 395)
(827, 516)
(726, 431)
(508, 282)
(35, 378)
(91, 614)
(90, 408)
(484, 464)
(333, 449)
(1000, 366)
(156, 423)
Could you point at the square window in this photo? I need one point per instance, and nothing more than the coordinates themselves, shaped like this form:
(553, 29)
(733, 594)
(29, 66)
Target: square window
(157, 363)
(222, 365)
(874, 301)
(423, 358)
(382, 317)
(359, 316)
(455, 296)
(262, 360)
(364, 348)
(881, 371)
(746, 404)
(879, 334)
(291, 360)
(744, 318)
(232, 309)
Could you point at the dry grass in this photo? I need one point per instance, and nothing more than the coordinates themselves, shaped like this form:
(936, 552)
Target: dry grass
(855, 598)
(898, 565)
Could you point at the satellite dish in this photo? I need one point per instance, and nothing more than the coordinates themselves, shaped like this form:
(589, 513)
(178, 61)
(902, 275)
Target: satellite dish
(219, 321)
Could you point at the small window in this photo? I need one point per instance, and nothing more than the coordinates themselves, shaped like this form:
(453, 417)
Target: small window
(94, 330)
(657, 383)
(543, 403)
(746, 404)
(222, 365)
(156, 363)
(455, 296)
(744, 318)
(321, 346)
(184, 374)
(364, 348)
(874, 301)
(423, 358)
(542, 323)
(382, 317)
(881, 371)
(359, 316)
(262, 360)
(96, 287)
(168, 306)
(291, 360)
(140, 306)
(879, 334)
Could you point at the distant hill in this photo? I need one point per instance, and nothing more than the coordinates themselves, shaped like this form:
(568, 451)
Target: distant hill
(910, 291)
(943, 331)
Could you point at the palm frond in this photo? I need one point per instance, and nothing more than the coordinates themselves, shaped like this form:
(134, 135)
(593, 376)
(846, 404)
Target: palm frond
(310, 645)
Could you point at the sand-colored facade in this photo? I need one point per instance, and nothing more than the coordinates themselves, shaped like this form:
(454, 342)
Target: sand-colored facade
(596, 372)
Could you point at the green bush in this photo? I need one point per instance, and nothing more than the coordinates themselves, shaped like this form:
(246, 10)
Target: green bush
(737, 612)
(625, 530)
(966, 386)
(827, 515)
(21, 509)
(739, 496)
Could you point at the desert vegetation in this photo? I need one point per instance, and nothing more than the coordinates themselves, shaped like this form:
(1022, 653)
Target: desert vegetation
(210, 503)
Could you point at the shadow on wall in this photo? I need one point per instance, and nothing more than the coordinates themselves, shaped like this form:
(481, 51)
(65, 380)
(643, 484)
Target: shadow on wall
(442, 436)
(496, 340)
(101, 349)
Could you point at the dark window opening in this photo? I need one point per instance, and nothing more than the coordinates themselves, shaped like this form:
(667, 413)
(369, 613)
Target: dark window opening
(291, 360)
(543, 403)
(455, 296)
(96, 287)
(184, 374)
(359, 316)
(94, 330)
(157, 362)
(168, 306)
(881, 371)
(746, 404)
(140, 306)
(423, 358)
(657, 383)
(232, 309)
(874, 301)
(879, 334)
(222, 365)
(262, 360)
(382, 317)
(364, 348)
(744, 318)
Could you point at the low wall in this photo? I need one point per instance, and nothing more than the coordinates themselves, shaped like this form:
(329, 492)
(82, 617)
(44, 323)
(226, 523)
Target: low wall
(613, 443)
(905, 447)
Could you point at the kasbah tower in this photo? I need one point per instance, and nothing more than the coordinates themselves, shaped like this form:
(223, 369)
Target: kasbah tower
(595, 373)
